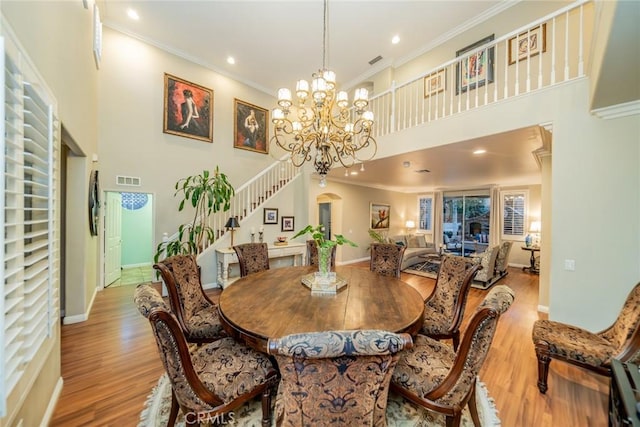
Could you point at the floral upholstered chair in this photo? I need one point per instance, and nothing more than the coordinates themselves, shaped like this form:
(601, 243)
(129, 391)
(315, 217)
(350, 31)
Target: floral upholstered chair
(502, 260)
(487, 260)
(386, 259)
(211, 379)
(252, 257)
(435, 377)
(335, 378)
(312, 253)
(592, 351)
(197, 314)
(444, 307)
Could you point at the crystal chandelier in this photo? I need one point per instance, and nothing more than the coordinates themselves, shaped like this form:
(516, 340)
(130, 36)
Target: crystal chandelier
(326, 131)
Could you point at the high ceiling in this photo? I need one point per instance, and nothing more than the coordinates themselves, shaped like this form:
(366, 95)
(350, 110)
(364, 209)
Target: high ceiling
(275, 43)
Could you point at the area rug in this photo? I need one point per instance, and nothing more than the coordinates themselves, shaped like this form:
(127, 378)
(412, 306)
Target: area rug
(400, 413)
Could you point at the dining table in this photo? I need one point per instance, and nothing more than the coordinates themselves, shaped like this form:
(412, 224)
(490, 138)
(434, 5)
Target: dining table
(275, 303)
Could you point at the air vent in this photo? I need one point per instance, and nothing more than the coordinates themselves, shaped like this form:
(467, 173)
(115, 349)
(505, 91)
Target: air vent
(374, 60)
(130, 181)
(423, 171)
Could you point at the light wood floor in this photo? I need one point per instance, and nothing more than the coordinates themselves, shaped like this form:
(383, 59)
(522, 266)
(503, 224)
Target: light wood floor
(110, 364)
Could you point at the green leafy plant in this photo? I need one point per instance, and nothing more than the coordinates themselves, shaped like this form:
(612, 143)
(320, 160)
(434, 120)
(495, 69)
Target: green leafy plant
(207, 193)
(317, 234)
(377, 236)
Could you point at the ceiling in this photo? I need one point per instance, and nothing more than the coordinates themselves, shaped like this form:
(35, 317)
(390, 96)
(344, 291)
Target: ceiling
(276, 43)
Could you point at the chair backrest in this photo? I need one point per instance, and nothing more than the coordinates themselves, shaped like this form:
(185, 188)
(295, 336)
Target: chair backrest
(627, 322)
(147, 298)
(449, 295)
(386, 259)
(488, 263)
(252, 257)
(475, 345)
(502, 261)
(312, 253)
(181, 274)
(325, 373)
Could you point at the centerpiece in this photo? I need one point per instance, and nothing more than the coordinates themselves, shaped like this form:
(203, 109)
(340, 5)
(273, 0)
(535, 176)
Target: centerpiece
(324, 281)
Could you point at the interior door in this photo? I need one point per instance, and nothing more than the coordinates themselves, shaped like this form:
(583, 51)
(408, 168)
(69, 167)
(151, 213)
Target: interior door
(113, 238)
(324, 215)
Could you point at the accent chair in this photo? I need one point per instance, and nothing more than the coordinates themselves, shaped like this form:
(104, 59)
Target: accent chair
(444, 307)
(592, 351)
(197, 315)
(337, 377)
(502, 260)
(386, 259)
(487, 260)
(435, 377)
(252, 258)
(211, 379)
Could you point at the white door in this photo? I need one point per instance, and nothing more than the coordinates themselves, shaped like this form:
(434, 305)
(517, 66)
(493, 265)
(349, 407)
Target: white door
(113, 238)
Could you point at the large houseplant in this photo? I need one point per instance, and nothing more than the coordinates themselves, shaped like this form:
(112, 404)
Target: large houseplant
(324, 245)
(207, 193)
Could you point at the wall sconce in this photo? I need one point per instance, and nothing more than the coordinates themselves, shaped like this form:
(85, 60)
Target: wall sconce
(232, 224)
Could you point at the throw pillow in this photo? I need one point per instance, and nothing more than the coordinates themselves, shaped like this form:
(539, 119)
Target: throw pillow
(422, 240)
(412, 242)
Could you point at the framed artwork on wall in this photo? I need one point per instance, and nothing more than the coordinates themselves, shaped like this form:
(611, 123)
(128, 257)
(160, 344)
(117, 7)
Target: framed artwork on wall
(528, 44)
(188, 109)
(435, 83)
(251, 127)
(379, 216)
(477, 69)
(270, 216)
(287, 223)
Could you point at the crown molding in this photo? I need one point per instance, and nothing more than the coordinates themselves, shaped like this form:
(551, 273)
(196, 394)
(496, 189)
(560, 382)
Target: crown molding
(620, 110)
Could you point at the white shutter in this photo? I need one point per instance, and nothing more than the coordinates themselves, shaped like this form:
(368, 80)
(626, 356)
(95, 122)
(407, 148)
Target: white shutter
(514, 213)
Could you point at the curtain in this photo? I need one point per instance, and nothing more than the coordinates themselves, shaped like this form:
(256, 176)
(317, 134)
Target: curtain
(494, 217)
(437, 218)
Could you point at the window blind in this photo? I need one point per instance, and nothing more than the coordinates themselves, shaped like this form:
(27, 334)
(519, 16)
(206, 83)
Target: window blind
(30, 242)
(513, 213)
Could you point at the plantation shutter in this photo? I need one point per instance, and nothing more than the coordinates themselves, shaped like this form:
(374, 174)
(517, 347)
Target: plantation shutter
(513, 214)
(426, 213)
(30, 243)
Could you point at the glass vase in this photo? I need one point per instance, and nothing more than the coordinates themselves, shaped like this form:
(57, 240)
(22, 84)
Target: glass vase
(324, 275)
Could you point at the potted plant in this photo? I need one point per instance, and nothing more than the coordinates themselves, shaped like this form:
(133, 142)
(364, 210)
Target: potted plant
(207, 193)
(324, 245)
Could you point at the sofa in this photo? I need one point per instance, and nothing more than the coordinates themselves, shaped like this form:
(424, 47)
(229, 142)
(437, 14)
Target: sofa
(416, 246)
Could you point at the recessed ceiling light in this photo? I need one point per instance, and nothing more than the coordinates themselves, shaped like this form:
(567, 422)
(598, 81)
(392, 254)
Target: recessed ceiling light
(231, 60)
(406, 164)
(133, 14)
(354, 172)
(395, 39)
(480, 151)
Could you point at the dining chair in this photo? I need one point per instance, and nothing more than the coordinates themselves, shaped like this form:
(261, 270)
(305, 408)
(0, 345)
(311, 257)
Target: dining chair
(444, 307)
(197, 315)
(436, 377)
(312, 253)
(252, 257)
(586, 349)
(209, 380)
(335, 377)
(386, 259)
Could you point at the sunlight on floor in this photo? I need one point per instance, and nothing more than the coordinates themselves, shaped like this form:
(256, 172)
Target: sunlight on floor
(133, 276)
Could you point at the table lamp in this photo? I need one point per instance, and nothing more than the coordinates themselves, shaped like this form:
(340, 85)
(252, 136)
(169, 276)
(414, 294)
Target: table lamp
(410, 225)
(534, 230)
(231, 225)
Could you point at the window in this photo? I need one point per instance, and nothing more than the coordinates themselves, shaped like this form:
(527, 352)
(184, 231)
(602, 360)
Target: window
(425, 209)
(514, 213)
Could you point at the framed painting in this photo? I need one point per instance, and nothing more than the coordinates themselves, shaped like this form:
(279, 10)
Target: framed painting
(477, 69)
(188, 109)
(435, 83)
(251, 127)
(528, 44)
(379, 216)
(270, 216)
(287, 223)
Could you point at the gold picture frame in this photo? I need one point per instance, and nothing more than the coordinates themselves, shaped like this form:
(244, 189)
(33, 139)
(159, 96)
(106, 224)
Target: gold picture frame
(379, 216)
(528, 44)
(188, 109)
(251, 127)
(435, 83)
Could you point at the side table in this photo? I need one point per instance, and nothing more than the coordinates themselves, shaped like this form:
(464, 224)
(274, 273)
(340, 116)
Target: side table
(532, 260)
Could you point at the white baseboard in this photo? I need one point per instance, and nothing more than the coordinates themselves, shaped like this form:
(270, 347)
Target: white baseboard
(213, 285)
(51, 407)
(543, 309)
(353, 261)
(144, 264)
(77, 318)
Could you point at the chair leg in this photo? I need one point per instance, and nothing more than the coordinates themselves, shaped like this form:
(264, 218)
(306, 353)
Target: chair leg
(266, 407)
(473, 407)
(542, 353)
(453, 420)
(456, 340)
(173, 413)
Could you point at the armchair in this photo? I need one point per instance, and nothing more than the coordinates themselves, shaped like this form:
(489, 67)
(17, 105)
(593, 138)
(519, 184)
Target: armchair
(592, 351)
(487, 260)
(502, 260)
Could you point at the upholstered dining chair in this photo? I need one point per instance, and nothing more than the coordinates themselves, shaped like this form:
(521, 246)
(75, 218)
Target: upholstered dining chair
(435, 377)
(336, 377)
(444, 307)
(209, 380)
(252, 257)
(312, 253)
(592, 351)
(197, 315)
(386, 259)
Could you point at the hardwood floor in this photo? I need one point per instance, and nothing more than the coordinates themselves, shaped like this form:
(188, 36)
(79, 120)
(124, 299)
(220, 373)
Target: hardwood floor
(110, 364)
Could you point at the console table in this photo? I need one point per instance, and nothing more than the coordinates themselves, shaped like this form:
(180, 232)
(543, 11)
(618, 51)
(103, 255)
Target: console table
(227, 256)
(532, 260)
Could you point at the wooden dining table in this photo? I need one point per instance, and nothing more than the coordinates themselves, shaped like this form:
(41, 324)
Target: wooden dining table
(275, 303)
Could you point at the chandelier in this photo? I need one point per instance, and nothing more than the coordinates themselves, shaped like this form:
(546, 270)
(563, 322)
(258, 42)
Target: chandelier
(326, 131)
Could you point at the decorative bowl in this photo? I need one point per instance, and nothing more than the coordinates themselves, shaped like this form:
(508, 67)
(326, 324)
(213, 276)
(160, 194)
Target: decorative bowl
(282, 239)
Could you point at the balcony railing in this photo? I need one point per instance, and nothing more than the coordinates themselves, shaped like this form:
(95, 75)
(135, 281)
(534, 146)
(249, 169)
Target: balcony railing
(544, 53)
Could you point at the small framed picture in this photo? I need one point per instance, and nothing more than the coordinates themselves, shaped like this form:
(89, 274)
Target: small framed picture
(528, 44)
(251, 127)
(475, 70)
(270, 216)
(435, 83)
(287, 223)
